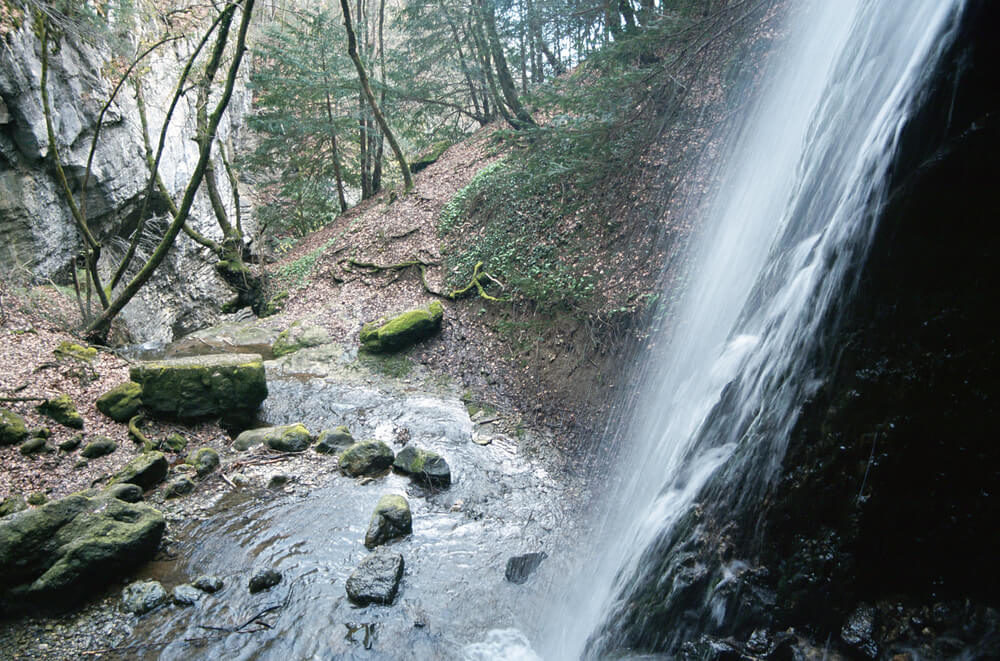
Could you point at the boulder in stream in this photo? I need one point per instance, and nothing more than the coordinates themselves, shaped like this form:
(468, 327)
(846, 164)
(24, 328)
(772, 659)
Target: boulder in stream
(141, 597)
(520, 567)
(284, 438)
(53, 554)
(121, 402)
(366, 458)
(232, 385)
(333, 441)
(264, 579)
(146, 471)
(391, 519)
(404, 329)
(376, 580)
(186, 595)
(423, 466)
(12, 428)
(208, 583)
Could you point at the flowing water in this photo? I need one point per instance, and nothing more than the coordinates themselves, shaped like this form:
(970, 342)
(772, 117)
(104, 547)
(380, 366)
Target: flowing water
(792, 218)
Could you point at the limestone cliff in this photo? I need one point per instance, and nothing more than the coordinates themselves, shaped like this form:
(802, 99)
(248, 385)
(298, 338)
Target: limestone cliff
(37, 235)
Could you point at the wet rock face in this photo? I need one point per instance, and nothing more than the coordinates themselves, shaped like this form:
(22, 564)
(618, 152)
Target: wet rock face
(376, 580)
(264, 579)
(202, 385)
(52, 555)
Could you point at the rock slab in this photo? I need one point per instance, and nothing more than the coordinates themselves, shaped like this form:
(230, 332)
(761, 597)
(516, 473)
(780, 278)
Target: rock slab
(198, 386)
(376, 580)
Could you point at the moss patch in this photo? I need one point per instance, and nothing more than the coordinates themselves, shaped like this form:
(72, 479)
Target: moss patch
(403, 330)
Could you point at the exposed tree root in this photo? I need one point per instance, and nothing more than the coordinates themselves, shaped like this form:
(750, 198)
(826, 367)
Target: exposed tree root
(476, 282)
(135, 433)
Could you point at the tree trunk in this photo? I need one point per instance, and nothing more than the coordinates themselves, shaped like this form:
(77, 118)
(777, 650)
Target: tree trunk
(500, 63)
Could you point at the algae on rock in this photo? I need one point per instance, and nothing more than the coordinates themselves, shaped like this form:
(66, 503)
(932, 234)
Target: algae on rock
(197, 386)
(402, 330)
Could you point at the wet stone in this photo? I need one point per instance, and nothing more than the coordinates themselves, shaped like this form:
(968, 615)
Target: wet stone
(264, 579)
(207, 583)
(332, 441)
(376, 580)
(391, 520)
(143, 596)
(366, 458)
(520, 567)
(423, 466)
(186, 595)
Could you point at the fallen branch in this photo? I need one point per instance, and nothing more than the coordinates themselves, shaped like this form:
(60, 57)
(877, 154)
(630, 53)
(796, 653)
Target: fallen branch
(227, 480)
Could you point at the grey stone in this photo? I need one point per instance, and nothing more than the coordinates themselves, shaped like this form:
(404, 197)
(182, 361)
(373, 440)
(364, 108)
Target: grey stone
(177, 487)
(376, 580)
(100, 446)
(424, 466)
(284, 438)
(520, 567)
(186, 595)
(366, 458)
(207, 583)
(333, 441)
(264, 579)
(300, 335)
(143, 596)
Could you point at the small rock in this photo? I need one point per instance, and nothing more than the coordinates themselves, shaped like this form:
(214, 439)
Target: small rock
(366, 458)
(143, 596)
(99, 447)
(240, 480)
(520, 567)
(178, 486)
(130, 493)
(35, 446)
(186, 595)
(264, 579)
(38, 498)
(376, 580)
(12, 428)
(122, 402)
(62, 410)
(334, 441)
(300, 335)
(278, 480)
(146, 470)
(391, 520)
(423, 466)
(204, 460)
(41, 432)
(482, 439)
(71, 443)
(175, 442)
(284, 438)
(207, 583)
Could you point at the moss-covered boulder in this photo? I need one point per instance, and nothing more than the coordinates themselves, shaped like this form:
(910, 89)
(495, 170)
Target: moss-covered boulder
(99, 447)
(391, 520)
(300, 335)
(146, 471)
(121, 402)
(54, 554)
(175, 442)
(62, 410)
(36, 445)
(12, 504)
(429, 156)
(428, 468)
(71, 443)
(12, 428)
(334, 441)
(72, 351)
(284, 438)
(366, 458)
(197, 386)
(204, 460)
(402, 330)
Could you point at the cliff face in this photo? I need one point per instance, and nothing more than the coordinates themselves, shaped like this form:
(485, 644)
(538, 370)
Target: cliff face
(37, 234)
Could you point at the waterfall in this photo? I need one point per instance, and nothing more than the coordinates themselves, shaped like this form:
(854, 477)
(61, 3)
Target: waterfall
(779, 250)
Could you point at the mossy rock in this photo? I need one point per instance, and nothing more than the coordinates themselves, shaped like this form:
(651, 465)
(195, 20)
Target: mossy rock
(402, 330)
(122, 402)
(300, 335)
(333, 441)
(204, 460)
(390, 520)
(71, 351)
(62, 410)
(12, 428)
(37, 499)
(12, 504)
(57, 553)
(275, 304)
(175, 442)
(366, 458)
(71, 443)
(428, 468)
(36, 445)
(283, 438)
(177, 487)
(146, 471)
(430, 156)
(198, 386)
(100, 446)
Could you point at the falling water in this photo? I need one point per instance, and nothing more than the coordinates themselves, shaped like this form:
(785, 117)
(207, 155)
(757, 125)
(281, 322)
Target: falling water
(793, 216)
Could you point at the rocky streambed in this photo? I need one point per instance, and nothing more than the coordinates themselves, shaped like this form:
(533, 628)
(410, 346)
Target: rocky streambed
(300, 515)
